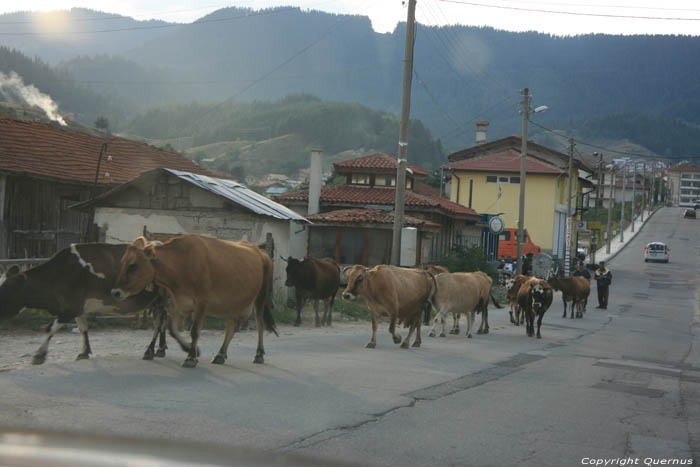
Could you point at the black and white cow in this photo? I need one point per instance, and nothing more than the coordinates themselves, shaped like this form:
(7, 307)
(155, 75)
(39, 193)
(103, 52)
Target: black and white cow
(77, 279)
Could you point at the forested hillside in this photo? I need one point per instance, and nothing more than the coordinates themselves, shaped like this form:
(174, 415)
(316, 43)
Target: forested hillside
(332, 126)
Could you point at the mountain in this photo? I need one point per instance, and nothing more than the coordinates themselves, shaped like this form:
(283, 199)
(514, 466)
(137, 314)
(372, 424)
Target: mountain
(62, 35)
(272, 136)
(609, 88)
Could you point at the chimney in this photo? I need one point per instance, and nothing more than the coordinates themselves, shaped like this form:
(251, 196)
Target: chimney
(315, 181)
(481, 127)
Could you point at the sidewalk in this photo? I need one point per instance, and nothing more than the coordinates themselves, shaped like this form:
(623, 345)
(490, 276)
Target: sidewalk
(616, 245)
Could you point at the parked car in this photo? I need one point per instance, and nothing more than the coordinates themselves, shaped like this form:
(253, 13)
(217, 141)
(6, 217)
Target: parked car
(689, 214)
(697, 205)
(508, 244)
(656, 251)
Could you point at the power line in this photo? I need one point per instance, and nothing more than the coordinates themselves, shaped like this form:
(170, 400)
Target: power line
(158, 26)
(559, 12)
(590, 5)
(602, 148)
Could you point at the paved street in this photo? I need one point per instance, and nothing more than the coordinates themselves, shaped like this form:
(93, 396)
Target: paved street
(622, 382)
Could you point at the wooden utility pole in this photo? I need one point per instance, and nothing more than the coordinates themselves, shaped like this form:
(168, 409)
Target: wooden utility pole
(634, 193)
(569, 214)
(622, 212)
(594, 246)
(523, 157)
(403, 134)
(644, 189)
(611, 206)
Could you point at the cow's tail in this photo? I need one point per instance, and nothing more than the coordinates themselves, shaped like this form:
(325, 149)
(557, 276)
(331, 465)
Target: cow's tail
(495, 302)
(430, 302)
(264, 300)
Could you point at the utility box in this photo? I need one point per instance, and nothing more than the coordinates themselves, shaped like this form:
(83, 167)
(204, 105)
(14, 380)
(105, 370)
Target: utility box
(409, 243)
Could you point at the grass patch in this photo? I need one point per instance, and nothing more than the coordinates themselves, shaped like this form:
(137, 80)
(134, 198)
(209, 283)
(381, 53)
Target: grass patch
(350, 311)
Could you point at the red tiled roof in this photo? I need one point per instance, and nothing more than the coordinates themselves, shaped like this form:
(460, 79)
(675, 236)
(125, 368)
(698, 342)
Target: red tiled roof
(367, 216)
(378, 160)
(45, 149)
(349, 194)
(683, 168)
(506, 161)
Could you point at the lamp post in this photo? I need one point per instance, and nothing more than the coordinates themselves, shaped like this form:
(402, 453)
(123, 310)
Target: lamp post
(523, 158)
(622, 211)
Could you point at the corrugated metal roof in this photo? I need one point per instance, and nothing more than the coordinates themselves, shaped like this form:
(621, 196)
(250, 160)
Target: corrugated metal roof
(239, 194)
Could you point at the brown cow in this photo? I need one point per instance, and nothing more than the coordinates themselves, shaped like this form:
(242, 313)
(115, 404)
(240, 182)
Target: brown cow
(513, 285)
(486, 285)
(435, 270)
(315, 279)
(573, 289)
(534, 297)
(396, 292)
(459, 292)
(203, 276)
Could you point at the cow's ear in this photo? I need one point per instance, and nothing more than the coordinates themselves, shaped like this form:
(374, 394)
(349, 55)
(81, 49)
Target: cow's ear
(13, 271)
(140, 242)
(150, 252)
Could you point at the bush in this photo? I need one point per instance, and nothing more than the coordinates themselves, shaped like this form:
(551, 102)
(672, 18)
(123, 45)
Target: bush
(467, 259)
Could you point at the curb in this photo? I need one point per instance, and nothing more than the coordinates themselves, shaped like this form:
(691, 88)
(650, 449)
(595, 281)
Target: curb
(613, 255)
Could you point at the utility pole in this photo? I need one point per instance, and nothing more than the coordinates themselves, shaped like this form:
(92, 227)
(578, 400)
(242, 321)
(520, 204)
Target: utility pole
(523, 156)
(611, 205)
(403, 134)
(569, 213)
(594, 246)
(622, 212)
(634, 193)
(644, 189)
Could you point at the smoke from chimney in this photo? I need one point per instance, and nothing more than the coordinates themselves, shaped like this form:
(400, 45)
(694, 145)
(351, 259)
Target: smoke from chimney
(13, 88)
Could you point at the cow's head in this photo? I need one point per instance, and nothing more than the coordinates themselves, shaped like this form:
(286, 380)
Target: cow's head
(137, 270)
(357, 276)
(12, 284)
(510, 282)
(294, 271)
(537, 291)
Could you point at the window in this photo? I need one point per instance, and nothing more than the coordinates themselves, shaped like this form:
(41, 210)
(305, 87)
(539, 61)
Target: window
(384, 180)
(491, 179)
(502, 179)
(351, 246)
(514, 179)
(504, 236)
(322, 242)
(360, 179)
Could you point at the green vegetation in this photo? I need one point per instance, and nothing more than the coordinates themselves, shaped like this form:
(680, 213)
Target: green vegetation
(276, 136)
(469, 259)
(342, 310)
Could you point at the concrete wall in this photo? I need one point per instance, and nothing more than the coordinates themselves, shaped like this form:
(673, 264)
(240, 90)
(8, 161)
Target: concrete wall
(122, 225)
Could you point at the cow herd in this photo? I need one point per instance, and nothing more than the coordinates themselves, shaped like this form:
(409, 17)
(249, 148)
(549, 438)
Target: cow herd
(193, 276)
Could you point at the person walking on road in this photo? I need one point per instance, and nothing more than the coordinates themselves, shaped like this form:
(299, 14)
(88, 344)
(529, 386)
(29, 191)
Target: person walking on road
(582, 271)
(603, 277)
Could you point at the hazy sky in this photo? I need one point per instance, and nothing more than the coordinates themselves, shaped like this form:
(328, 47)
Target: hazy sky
(386, 13)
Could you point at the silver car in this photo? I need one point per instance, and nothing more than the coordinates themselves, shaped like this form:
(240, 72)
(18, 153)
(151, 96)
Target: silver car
(656, 251)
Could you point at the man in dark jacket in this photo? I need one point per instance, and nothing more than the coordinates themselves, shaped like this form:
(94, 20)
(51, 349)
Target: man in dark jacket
(603, 277)
(582, 271)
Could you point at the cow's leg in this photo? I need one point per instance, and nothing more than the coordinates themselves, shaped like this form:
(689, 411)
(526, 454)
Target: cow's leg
(418, 340)
(228, 335)
(317, 320)
(373, 340)
(470, 321)
(330, 310)
(540, 315)
(426, 314)
(40, 355)
(197, 321)
(439, 318)
(300, 303)
(563, 298)
(484, 326)
(157, 332)
(406, 341)
(392, 329)
(510, 312)
(83, 328)
(174, 323)
(161, 322)
(530, 316)
(455, 324)
(260, 324)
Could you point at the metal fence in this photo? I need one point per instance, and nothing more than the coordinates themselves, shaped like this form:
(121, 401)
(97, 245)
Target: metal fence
(23, 263)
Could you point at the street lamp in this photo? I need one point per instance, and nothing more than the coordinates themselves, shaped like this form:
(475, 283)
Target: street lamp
(523, 156)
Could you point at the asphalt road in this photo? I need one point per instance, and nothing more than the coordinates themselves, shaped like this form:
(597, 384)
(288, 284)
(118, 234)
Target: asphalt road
(619, 383)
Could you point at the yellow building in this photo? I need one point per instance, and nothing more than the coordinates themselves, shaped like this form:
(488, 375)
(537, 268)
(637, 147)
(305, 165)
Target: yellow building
(487, 179)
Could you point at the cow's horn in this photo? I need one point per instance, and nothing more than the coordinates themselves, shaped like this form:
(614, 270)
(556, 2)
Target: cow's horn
(284, 259)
